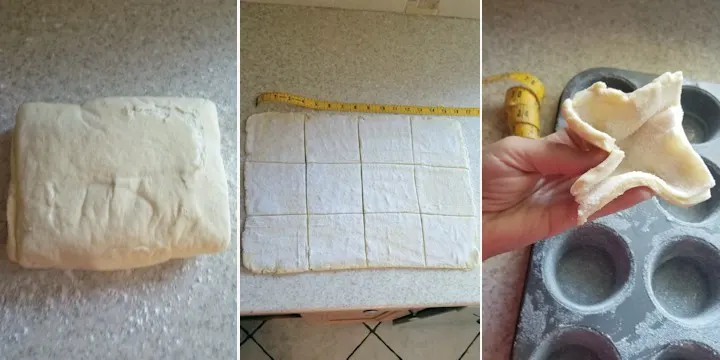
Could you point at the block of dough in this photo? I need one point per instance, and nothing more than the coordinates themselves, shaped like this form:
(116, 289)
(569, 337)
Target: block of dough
(438, 141)
(444, 191)
(334, 188)
(450, 241)
(332, 139)
(275, 244)
(276, 137)
(394, 240)
(116, 183)
(389, 188)
(275, 189)
(386, 139)
(647, 146)
(336, 242)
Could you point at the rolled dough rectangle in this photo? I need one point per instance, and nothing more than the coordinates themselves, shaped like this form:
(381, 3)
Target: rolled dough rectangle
(116, 183)
(403, 201)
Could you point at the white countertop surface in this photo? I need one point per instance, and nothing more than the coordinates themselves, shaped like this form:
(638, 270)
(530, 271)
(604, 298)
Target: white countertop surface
(359, 57)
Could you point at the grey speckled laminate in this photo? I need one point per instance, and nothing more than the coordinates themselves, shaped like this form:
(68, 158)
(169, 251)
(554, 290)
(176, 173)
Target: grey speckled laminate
(364, 57)
(73, 51)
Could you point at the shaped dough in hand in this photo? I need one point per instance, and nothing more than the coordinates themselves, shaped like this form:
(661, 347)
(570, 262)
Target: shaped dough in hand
(647, 146)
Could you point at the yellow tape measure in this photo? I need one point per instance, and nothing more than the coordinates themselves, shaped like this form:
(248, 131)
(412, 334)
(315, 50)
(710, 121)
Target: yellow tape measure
(315, 104)
(522, 103)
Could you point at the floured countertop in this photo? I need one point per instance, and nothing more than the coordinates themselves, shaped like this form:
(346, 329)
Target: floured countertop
(359, 57)
(555, 40)
(74, 51)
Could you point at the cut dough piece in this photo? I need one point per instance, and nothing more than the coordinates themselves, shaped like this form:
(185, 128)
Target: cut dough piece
(389, 188)
(276, 137)
(275, 244)
(438, 141)
(337, 242)
(334, 188)
(444, 191)
(332, 139)
(386, 139)
(450, 241)
(275, 189)
(116, 183)
(394, 240)
(647, 146)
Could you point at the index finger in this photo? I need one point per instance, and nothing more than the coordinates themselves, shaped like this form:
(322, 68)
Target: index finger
(568, 137)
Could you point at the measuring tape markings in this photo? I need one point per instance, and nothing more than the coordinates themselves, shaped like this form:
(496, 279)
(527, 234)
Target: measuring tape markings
(315, 104)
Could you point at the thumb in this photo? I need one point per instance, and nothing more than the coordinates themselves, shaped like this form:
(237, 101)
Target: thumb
(550, 158)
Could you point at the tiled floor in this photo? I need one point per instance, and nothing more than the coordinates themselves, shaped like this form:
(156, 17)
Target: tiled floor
(450, 336)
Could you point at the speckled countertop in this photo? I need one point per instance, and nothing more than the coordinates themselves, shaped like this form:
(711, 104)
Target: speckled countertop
(73, 51)
(556, 40)
(363, 57)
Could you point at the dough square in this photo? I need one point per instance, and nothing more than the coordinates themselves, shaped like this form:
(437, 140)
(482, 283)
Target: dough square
(444, 191)
(332, 138)
(450, 241)
(386, 139)
(276, 137)
(438, 141)
(394, 240)
(337, 242)
(389, 188)
(275, 189)
(116, 183)
(334, 188)
(275, 244)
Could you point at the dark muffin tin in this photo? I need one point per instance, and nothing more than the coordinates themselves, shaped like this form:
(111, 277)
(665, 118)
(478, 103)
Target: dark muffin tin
(640, 284)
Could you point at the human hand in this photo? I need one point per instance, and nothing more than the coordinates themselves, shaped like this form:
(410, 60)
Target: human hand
(526, 189)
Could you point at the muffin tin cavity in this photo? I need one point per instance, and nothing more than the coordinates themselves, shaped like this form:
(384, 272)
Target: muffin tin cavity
(702, 114)
(684, 281)
(587, 270)
(614, 82)
(702, 211)
(643, 283)
(687, 350)
(574, 344)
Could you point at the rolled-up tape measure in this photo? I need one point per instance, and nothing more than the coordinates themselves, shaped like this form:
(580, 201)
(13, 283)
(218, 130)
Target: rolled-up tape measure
(522, 103)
